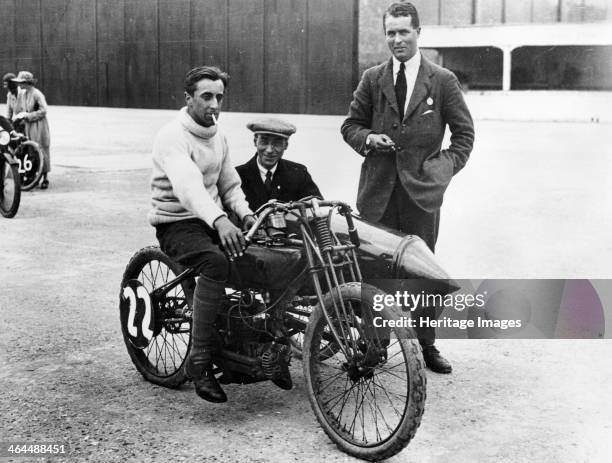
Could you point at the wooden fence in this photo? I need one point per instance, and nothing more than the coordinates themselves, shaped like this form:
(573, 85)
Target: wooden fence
(287, 56)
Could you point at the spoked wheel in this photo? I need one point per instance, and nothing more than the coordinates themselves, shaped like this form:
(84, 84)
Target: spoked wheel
(369, 397)
(10, 189)
(31, 163)
(156, 330)
(296, 319)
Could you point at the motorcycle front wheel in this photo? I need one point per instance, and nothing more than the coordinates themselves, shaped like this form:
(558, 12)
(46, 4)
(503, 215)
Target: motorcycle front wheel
(10, 189)
(32, 162)
(369, 396)
(158, 342)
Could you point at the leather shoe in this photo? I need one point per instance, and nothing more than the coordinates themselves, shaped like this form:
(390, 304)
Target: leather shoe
(434, 361)
(206, 385)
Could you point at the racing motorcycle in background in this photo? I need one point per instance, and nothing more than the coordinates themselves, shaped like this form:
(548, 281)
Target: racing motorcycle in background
(301, 275)
(29, 157)
(10, 184)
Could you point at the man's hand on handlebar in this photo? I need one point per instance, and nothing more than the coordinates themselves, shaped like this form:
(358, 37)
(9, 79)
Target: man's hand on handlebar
(231, 237)
(248, 222)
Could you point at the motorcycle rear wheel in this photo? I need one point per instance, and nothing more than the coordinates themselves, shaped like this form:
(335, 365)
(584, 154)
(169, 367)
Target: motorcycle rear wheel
(371, 412)
(161, 361)
(10, 193)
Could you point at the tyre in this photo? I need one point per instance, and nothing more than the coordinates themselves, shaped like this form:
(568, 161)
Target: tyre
(156, 330)
(31, 163)
(10, 189)
(370, 396)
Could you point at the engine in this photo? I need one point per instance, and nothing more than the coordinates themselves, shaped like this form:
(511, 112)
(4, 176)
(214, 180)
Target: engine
(245, 327)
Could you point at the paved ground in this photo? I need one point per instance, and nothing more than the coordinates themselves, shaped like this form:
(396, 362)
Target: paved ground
(532, 202)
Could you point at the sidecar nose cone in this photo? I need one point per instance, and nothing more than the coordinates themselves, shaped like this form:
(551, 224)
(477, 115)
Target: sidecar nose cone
(413, 259)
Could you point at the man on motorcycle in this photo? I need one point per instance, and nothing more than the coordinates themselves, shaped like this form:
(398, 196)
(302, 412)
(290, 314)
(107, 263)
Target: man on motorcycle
(193, 183)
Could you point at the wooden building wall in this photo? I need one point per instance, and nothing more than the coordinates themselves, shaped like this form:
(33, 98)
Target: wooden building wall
(286, 56)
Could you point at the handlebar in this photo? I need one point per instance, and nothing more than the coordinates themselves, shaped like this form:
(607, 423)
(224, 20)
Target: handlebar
(312, 203)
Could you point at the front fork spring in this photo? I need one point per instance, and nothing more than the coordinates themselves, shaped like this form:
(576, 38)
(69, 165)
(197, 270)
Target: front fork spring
(322, 232)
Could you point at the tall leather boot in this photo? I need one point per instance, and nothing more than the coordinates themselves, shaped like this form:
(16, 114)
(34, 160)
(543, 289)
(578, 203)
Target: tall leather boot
(207, 299)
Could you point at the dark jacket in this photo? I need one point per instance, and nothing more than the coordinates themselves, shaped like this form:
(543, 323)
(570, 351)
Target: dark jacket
(421, 166)
(5, 124)
(291, 181)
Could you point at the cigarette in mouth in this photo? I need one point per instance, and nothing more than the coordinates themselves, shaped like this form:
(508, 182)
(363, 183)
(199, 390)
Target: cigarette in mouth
(214, 119)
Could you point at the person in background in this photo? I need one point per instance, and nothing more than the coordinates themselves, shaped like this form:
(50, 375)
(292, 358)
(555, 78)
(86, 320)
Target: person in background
(31, 108)
(11, 94)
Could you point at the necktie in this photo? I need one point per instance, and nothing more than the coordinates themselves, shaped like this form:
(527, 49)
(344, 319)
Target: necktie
(400, 89)
(268, 182)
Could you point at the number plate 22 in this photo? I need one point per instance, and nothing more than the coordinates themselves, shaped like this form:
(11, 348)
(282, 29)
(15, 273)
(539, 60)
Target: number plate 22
(137, 317)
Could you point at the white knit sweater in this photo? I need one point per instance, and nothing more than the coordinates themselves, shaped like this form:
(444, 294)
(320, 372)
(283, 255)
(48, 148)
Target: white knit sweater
(193, 175)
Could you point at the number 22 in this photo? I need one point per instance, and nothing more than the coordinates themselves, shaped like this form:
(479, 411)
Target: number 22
(141, 293)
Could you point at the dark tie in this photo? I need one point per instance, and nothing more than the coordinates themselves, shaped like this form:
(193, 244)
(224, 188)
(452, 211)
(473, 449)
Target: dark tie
(400, 89)
(268, 182)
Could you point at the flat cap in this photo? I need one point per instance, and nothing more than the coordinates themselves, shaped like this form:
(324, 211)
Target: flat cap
(272, 126)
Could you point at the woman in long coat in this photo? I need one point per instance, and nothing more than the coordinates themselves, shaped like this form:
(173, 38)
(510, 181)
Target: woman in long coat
(32, 108)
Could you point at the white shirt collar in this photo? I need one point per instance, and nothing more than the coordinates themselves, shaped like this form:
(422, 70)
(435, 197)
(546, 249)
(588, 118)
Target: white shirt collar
(263, 171)
(411, 66)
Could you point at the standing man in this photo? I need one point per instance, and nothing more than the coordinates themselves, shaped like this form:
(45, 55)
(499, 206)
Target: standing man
(11, 94)
(193, 183)
(267, 176)
(397, 120)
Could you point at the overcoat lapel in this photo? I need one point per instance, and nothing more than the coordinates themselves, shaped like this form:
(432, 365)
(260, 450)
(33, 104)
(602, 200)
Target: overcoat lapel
(422, 86)
(256, 182)
(386, 83)
(276, 184)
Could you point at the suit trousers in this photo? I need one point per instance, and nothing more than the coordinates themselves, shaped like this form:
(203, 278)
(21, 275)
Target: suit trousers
(404, 215)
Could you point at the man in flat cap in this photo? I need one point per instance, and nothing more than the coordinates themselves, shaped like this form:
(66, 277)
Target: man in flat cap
(267, 176)
(11, 95)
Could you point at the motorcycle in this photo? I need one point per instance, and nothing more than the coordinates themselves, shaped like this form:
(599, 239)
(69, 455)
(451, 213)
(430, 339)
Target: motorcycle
(29, 157)
(300, 275)
(10, 184)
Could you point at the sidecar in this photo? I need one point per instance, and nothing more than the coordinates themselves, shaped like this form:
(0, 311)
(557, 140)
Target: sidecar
(385, 253)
